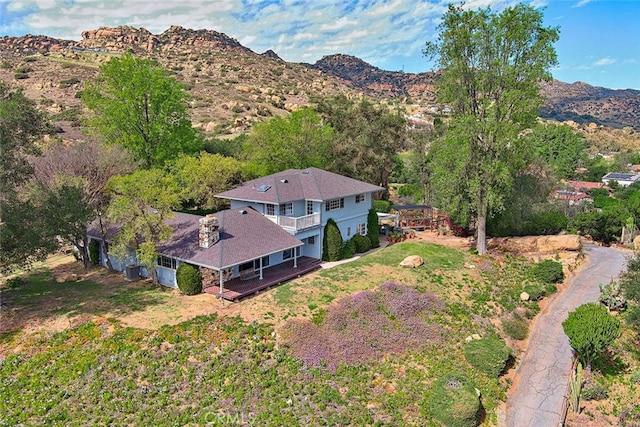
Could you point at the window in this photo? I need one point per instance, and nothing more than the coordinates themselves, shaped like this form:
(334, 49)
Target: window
(287, 254)
(334, 204)
(246, 266)
(309, 207)
(361, 229)
(360, 198)
(286, 208)
(311, 240)
(271, 209)
(348, 231)
(265, 262)
(167, 262)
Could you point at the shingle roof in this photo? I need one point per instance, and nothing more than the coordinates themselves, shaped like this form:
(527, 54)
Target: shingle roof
(298, 184)
(587, 185)
(244, 237)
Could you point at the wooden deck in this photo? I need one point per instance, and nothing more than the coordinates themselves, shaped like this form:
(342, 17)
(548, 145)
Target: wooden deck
(271, 276)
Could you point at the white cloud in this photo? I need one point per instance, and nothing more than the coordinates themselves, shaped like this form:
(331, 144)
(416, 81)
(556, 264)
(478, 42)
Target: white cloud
(582, 3)
(604, 61)
(339, 24)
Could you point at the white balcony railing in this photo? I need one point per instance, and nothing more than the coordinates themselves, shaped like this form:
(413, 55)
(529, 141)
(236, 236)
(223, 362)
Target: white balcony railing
(295, 224)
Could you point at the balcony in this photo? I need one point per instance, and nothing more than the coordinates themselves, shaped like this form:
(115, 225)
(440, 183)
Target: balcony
(296, 224)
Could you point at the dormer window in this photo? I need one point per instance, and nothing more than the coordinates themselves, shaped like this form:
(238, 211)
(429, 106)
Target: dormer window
(360, 198)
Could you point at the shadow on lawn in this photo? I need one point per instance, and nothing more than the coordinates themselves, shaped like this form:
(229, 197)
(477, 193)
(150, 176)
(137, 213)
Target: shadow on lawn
(41, 300)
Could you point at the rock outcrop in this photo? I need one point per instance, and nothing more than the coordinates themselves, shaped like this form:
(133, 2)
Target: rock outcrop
(412, 261)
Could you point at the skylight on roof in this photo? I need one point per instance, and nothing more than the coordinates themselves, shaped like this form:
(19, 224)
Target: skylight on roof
(263, 188)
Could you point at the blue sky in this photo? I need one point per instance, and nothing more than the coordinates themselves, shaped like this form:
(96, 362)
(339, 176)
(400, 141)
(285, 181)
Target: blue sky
(599, 40)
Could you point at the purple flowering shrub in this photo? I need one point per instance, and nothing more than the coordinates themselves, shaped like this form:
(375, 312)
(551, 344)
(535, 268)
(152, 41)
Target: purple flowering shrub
(366, 326)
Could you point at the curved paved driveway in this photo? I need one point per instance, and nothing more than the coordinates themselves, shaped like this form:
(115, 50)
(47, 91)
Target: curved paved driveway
(537, 396)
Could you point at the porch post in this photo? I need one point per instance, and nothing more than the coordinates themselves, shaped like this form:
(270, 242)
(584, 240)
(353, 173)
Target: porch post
(295, 257)
(260, 268)
(221, 283)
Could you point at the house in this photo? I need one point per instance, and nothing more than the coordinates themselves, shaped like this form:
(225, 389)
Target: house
(302, 200)
(273, 232)
(572, 197)
(623, 179)
(583, 186)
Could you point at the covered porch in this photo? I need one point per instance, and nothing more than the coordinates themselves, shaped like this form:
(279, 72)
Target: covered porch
(237, 288)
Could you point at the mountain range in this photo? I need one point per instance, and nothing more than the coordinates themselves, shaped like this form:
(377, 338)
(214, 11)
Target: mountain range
(232, 87)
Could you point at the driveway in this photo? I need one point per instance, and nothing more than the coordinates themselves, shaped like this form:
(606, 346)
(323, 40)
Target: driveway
(537, 396)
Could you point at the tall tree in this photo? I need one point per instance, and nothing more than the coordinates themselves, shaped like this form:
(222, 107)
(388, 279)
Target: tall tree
(69, 184)
(491, 66)
(21, 126)
(21, 227)
(201, 178)
(140, 203)
(559, 148)
(368, 138)
(138, 106)
(299, 140)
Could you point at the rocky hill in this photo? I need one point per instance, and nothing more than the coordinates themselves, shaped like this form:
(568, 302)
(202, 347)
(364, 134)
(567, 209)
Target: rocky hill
(232, 87)
(582, 103)
(579, 102)
(379, 83)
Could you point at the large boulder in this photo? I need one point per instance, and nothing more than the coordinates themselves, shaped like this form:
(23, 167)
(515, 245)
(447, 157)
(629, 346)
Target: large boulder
(565, 242)
(412, 261)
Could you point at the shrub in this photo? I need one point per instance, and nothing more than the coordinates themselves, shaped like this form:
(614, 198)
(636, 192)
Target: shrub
(349, 249)
(632, 319)
(373, 228)
(16, 282)
(332, 242)
(20, 76)
(382, 206)
(68, 82)
(488, 355)
(594, 391)
(611, 296)
(454, 402)
(362, 243)
(550, 289)
(548, 271)
(630, 280)
(23, 69)
(591, 329)
(365, 327)
(189, 279)
(94, 252)
(515, 327)
(535, 292)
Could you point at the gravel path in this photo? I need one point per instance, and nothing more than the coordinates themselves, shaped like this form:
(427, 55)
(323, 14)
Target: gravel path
(536, 398)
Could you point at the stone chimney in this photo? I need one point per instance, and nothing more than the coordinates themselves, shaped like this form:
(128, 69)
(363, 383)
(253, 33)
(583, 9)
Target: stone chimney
(209, 231)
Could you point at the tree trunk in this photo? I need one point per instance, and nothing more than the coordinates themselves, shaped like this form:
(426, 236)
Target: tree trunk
(104, 249)
(84, 253)
(481, 230)
(103, 243)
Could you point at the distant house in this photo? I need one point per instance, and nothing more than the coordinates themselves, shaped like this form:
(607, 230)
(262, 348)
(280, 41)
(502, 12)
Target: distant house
(273, 231)
(572, 197)
(582, 186)
(623, 179)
